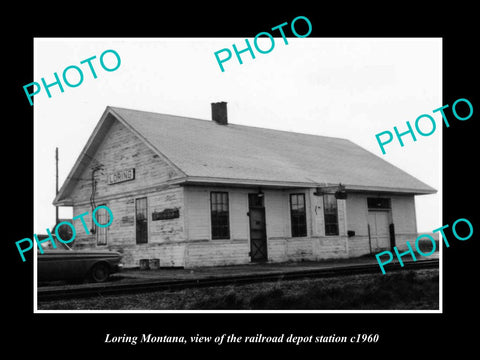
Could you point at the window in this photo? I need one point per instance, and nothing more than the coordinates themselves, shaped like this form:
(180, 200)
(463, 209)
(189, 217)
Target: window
(101, 232)
(331, 214)
(298, 215)
(378, 203)
(141, 227)
(219, 215)
(255, 200)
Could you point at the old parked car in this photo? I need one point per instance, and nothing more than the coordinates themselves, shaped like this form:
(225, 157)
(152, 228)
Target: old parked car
(68, 264)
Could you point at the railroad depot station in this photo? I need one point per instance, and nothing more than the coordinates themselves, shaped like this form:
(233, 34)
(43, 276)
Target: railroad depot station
(193, 192)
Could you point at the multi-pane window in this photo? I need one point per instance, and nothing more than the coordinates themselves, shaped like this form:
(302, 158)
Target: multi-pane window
(219, 215)
(298, 215)
(330, 211)
(141, 212)
(102, 219)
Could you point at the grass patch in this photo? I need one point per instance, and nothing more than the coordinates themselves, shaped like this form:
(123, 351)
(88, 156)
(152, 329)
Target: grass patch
(407, 290)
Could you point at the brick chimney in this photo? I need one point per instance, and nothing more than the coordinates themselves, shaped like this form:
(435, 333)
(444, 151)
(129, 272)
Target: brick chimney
(219, 113)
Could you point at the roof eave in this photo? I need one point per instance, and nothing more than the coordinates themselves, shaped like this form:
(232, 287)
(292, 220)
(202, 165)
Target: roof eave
(64, 189)
(393, 190)
(78, 163)
(201, 180)
(62, 202)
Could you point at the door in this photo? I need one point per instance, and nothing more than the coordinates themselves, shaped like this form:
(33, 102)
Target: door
(379, 222)
(258, 233)
(141, 220)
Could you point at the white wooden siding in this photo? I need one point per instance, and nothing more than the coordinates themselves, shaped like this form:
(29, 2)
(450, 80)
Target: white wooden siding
(120, 150)
(197, 200)
(403, 217)
(277, 213)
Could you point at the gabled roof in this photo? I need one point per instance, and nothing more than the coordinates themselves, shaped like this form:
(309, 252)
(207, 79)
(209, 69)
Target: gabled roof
(206, 152)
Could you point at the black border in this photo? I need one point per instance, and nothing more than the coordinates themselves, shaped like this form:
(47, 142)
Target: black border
(82, 334)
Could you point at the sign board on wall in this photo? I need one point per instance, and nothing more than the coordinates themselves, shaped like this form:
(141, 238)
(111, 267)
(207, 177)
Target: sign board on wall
(166, 214)
(121, 176)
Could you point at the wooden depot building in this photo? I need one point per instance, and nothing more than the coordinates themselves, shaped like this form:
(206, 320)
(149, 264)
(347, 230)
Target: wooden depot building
(193, 192)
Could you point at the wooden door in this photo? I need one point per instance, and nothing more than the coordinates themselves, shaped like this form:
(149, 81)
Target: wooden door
(258, 233)
(379, 222)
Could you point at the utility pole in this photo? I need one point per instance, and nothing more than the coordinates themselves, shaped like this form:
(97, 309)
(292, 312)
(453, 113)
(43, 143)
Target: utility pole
(56, 183)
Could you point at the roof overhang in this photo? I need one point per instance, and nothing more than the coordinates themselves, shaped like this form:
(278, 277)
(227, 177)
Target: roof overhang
(211, 181)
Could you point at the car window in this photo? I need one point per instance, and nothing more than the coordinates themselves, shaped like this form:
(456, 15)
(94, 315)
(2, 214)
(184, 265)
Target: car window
(47, 245)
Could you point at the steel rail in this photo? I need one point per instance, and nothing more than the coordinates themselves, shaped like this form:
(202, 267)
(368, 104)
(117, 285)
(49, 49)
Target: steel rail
(113, 288)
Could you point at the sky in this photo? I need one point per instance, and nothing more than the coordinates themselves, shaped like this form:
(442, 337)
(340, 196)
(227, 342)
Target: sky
(351, 88)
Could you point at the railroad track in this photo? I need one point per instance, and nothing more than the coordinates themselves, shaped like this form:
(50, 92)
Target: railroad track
(62, 292)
